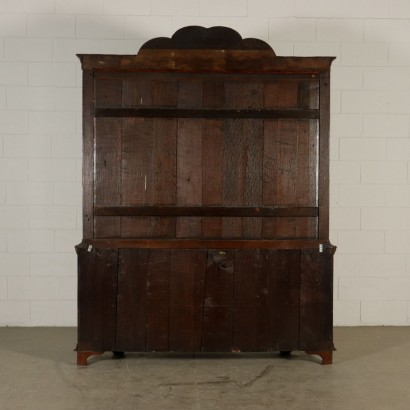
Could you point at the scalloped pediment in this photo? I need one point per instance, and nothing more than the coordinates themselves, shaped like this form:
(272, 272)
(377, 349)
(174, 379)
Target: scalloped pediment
(212, 38)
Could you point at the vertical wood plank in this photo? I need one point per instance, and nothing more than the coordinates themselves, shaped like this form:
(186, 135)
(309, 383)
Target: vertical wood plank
(308, 94)
(314, 172)
(250, 300)
(158, 300)
(190, 93)
(213, 93)
(323, 229)
(243, 158)
(107, 174)
(137, 164)
(217, 322)
(137, 173)
(189, 157)
(88, 154)
(212, 157)
(233, 174)
(108, 93)
(253, 195)
(304, 163)
(132, 289)
(164, 191)
(286, 162)
(164, 93)
(281, 93)
(189, 174)
(270, 194)
(136, 92)
(165, 160)
(187, 279)
(212, 175)
(316, 300)
(97, 299)
(283, 302)
(305, 181)
(244, 94)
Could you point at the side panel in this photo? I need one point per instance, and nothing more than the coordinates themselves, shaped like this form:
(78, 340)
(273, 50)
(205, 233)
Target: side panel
(88, 154)
(97, 299)
(316, 300)
(323, 229)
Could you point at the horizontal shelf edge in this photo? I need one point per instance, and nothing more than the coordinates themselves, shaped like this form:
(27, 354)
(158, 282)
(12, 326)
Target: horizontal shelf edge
(206, 211)
(205, 113)
(208, 61)
(204, 244)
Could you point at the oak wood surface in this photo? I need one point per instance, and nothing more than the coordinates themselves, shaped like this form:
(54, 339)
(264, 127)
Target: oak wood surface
(205, 201)
(203, 243)
(209, 211)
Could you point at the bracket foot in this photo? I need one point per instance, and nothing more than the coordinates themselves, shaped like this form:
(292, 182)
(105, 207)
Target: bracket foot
(82, 357)
(326, 355)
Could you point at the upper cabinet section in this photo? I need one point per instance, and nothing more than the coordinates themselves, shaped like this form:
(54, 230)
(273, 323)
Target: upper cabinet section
(206, 135)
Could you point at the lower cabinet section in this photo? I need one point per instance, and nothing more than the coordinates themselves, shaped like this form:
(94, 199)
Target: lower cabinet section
(252, 300)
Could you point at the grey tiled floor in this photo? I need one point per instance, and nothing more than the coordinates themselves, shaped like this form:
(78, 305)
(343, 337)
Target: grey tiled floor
(371, 370)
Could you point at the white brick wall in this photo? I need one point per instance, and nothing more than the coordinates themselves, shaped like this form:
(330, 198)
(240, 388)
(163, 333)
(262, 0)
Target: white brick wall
(384, 313)
(40, 137)
(13, 73)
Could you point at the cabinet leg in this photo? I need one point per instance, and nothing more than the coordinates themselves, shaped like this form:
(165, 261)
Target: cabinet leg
(326, 355)
(118, 355)
(82, 357)
(285, 353)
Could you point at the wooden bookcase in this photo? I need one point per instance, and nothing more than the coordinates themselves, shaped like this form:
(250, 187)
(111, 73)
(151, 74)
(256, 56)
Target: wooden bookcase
(206, 199)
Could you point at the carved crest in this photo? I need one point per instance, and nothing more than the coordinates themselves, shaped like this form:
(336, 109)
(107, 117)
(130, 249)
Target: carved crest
(212, 38)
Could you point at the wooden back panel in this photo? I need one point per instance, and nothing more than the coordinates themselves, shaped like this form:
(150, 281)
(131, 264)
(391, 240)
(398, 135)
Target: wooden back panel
(187, 142)
(248, 161)
(205, 173)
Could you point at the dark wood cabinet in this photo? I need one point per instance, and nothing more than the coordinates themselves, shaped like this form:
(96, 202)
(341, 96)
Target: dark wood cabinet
(205, 206)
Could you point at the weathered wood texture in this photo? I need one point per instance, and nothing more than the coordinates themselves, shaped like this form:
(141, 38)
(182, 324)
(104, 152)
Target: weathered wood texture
(206, 187)
(229, 161)
(97, 299)
(205, 300)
